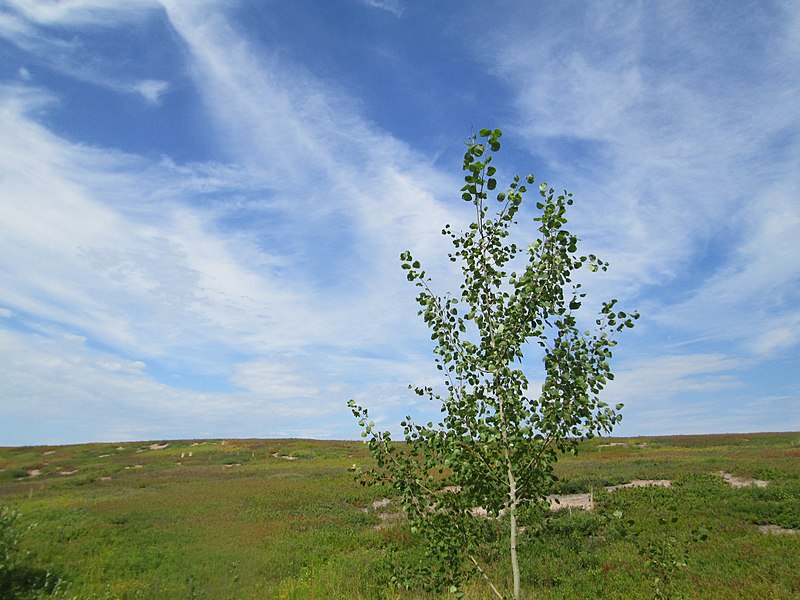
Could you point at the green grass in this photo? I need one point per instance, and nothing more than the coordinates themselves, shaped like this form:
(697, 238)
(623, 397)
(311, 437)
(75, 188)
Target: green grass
(237, 520)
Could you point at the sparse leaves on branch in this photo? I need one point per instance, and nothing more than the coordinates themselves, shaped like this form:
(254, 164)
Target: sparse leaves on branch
(485, 469)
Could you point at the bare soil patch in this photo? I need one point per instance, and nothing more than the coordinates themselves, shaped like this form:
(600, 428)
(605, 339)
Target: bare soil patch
(740, 482)
(386, 517)
(775, 530)
(283, 456)
(570, 501)
(382, 503)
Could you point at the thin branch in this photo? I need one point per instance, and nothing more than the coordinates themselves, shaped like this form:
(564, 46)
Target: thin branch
(486, 577)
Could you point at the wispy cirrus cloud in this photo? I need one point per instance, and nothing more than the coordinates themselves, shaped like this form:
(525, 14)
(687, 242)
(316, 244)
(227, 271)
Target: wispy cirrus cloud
(395, 7)
(673, 157)
(337, 175)
(66, 13)
(42, 30)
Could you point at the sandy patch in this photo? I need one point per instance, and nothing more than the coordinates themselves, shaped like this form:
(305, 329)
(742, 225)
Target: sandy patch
(232, 465)
(70, 472)
(283, 456)
(386, 518)
(570, 501)
(382, 503)
(104, 479)
(157, 446)
(741, 482)
(48, 453)
(34, 472)
(775, 530)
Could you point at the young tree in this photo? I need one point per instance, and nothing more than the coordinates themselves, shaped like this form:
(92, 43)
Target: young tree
(487, 466)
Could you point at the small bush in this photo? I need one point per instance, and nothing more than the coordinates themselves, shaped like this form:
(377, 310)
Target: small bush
(17, 579)
(16, 473)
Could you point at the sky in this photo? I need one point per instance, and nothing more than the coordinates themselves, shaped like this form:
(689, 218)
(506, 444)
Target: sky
(202, 204)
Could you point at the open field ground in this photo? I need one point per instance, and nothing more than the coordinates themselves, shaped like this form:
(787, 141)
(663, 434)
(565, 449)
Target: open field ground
(284, 519)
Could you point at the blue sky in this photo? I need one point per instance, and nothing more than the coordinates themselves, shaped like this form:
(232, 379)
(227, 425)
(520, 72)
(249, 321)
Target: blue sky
(202, 203)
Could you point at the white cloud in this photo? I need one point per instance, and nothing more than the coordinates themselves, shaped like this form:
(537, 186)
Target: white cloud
(665, 377)
(79, 12)
(151, 90)
(393, 6)
(63, 391)
(29, 27)
(273, 379)
(657, 392)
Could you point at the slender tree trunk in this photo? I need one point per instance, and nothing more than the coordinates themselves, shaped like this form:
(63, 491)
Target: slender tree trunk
(512, 492)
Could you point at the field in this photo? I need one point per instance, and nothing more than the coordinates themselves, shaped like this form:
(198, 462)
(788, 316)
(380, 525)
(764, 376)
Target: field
(285, 519)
